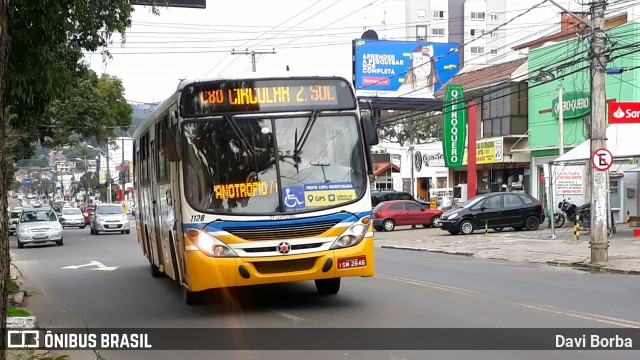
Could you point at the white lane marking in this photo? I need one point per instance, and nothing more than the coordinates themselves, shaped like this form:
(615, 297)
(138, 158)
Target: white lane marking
(98, 266)
(288, 316)
(428, 284)
(547, 308)
(582, 315)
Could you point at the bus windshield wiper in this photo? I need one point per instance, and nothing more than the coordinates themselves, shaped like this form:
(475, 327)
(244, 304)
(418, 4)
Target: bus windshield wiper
(243, 140)
(299, 144)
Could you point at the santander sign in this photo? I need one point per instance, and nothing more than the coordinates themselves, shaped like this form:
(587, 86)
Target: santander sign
(624, 112)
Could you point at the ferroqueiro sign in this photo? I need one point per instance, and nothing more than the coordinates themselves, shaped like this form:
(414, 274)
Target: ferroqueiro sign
(454, 127)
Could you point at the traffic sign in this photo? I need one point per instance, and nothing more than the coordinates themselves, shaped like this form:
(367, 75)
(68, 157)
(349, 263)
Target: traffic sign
(602, 159)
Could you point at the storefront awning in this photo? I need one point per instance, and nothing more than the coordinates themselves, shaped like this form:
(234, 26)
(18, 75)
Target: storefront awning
(621, 141)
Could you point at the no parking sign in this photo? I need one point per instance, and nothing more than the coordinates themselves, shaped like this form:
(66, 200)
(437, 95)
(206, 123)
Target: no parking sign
(602, 159)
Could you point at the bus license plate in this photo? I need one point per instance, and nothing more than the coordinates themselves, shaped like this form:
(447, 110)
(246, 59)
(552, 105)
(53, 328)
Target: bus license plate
(347, 263)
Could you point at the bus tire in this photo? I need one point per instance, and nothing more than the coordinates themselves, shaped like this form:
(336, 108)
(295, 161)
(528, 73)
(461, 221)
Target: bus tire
(155, 270)
(328, 286)
(191, 297)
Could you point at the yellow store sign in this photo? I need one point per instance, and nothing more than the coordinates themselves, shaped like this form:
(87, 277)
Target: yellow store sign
(487, 152)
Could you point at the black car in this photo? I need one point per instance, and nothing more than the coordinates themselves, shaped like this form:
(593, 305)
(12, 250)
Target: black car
(386, 195)
(495, 211)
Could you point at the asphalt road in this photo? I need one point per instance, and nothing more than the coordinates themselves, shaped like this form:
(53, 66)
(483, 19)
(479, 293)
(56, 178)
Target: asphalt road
(410, 290)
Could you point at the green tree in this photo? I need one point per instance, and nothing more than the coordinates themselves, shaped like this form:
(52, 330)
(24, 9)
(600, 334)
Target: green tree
(89, 181)
(92, 109)
(41, 44)
(411, 128)
(80, 152)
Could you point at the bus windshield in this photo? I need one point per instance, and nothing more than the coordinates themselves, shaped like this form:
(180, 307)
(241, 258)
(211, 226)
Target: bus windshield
(273, 164)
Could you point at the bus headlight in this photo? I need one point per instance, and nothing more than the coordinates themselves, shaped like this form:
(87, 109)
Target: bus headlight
(353, 235)
(209, 245)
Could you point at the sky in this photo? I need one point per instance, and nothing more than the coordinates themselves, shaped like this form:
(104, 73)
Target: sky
(309, 36)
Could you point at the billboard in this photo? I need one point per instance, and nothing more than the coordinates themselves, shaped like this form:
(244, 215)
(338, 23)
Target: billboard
(200, 4)
(403, 69)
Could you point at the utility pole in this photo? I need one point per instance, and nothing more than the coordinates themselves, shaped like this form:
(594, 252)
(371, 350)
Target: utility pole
(122, 178)
(253, 55)
(412, 160)
(600, 183)
(561, 119)
(108, 175)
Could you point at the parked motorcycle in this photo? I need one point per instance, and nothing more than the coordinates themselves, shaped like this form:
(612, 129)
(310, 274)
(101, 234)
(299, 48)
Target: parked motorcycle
(569, 211)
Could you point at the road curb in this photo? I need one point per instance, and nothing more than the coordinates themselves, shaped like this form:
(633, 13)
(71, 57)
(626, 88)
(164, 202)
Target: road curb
(427, 250)
(593, 267)
(573, 265)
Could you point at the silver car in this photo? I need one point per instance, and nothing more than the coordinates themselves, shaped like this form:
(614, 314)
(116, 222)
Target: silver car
(109, 218)
(72, 217)
(37, 226)
(14, 219)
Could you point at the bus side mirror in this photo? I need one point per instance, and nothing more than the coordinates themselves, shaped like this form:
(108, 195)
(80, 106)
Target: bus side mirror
(370, 131)
(173, 144)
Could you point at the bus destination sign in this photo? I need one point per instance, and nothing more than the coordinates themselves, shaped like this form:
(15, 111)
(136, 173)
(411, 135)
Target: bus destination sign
(217, 97)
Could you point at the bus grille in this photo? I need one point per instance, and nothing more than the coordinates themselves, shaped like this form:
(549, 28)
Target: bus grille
(280, 232)
(273, 248)
(284, 266)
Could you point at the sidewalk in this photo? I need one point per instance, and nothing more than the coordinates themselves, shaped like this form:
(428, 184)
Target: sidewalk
(524, 246)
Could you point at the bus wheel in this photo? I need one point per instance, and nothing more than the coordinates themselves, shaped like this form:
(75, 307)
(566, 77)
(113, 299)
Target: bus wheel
(191, 297)
(155, 271)
(328, 286)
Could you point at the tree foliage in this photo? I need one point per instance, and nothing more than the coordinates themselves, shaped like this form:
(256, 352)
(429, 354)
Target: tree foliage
(93, 108)
(411, 128)
(41, 45)
(80, 152)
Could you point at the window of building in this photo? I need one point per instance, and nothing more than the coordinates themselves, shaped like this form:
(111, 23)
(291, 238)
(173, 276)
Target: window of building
(493, 16)
(477, 32)
(477, 15)
(495, 34)
(421, 32)
(437, 32)
(477, 49)
(422, 14)
(437, 14)
(614, 191)
(486, 128)
(494, 51)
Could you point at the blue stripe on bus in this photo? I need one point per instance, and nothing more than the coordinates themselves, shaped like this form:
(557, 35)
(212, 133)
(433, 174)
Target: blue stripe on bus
(217, 225)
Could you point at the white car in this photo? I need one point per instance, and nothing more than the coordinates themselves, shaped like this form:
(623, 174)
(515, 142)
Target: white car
(72, 217)
(14, 219)
(109, 218)
(37, 226)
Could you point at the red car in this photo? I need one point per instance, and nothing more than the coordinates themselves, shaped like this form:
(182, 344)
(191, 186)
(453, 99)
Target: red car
(87, 210)
(389, 214)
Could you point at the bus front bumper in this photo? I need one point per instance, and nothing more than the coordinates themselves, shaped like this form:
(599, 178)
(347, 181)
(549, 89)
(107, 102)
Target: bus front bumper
(204, 272)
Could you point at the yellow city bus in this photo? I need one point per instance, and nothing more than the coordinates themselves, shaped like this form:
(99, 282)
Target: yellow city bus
(261, 180)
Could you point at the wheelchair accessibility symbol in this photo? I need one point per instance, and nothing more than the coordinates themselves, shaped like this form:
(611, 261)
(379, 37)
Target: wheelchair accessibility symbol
(293, 197)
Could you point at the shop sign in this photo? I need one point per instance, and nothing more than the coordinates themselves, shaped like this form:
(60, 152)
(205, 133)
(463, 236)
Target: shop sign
(574, 104)
(454, 127)
(489, 151)
(421, 160)
(624, 112)
(569, 182)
